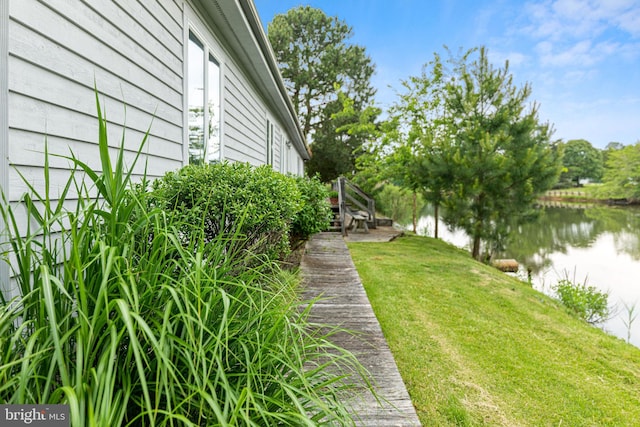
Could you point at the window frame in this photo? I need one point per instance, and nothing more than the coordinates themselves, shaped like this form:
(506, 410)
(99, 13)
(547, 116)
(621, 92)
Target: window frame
(210, 54)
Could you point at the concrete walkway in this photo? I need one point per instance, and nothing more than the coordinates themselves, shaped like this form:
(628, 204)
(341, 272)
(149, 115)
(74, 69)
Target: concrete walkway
(328, 270)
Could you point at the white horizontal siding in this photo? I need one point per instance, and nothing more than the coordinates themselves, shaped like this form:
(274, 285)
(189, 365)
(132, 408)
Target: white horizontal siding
(127, 33)
(58, 179)
(51, 89)
(32, 147)
(47, 57)
(58, 52)
(245, 123)
(39, 121)
(30, 158)
(174, 10)
(167, 13)
(110, 54)
(131, 50)
(245, 119)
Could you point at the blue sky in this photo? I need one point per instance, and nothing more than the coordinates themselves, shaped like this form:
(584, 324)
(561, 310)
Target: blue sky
(581, 57)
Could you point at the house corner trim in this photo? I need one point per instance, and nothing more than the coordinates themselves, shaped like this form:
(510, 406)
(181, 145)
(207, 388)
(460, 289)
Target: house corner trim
(4, 127)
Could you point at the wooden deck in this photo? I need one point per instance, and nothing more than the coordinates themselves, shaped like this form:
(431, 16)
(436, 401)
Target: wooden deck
(328, 270)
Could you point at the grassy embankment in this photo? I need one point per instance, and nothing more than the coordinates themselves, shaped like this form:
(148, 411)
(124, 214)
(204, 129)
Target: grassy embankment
(477, 347)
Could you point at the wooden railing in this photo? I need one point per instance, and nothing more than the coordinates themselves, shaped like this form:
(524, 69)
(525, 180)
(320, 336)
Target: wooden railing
(351, 198)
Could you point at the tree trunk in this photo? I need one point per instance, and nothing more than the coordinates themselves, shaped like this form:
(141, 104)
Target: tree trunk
(475, 252)
(415, 213)
(435, 215)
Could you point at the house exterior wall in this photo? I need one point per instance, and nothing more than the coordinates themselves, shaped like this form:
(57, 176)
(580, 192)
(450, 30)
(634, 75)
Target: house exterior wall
(55, 53)
(58, 51)
(245, 119)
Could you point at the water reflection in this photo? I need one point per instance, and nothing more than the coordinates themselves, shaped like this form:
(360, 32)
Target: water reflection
(595, 243)
(560, 229)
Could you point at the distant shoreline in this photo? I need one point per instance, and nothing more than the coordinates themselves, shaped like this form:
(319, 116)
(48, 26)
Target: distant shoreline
(569, 198)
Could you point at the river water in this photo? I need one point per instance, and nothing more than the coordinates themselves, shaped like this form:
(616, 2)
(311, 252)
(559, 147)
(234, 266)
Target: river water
(596, 244)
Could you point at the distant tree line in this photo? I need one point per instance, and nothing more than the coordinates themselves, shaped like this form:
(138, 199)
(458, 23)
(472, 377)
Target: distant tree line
(617, 167)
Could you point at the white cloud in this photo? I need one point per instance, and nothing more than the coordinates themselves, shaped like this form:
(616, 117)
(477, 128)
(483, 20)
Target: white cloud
(630, 51)
(559, 19)
(630, 21)
(580, 57)
(516, 59)
(579, 75)
(581, 54)
(583, 33)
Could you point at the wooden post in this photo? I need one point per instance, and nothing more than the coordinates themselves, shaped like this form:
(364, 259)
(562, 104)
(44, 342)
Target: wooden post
(342, 204)
(414, 213)
(371, 204)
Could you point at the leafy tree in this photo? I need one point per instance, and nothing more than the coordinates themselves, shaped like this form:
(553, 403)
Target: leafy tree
(622, 174)
(332, 152)
(339, 142)
(419, 118)
(581, 160)
(609, 148)
(466, 138)
(496, 157)
(315, 57)
(613, 145)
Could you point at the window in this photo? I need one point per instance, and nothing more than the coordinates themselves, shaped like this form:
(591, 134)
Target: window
(203, 100)
(195, 100)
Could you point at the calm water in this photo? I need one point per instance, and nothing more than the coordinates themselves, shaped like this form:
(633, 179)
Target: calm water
(598, 244)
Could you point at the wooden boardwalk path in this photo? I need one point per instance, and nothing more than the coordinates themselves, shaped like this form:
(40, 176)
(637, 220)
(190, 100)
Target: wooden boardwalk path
(328, 270)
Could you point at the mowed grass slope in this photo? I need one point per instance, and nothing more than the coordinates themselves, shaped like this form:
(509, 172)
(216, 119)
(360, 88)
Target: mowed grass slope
(477, 347)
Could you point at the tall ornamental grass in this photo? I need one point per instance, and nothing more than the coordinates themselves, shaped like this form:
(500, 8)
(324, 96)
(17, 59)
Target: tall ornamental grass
(129, 324)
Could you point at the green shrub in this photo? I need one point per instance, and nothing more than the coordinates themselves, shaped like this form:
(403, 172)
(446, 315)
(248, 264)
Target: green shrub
(586, 302)
(396, 203)
(315, 213)
(256, 203)
(100, 325)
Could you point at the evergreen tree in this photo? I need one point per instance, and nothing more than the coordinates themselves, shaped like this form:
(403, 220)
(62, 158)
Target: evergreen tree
(496, 155)
(469, 141)
(315, 58)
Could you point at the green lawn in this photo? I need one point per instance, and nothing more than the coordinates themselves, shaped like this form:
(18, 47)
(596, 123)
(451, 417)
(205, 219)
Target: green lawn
(477, 347)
